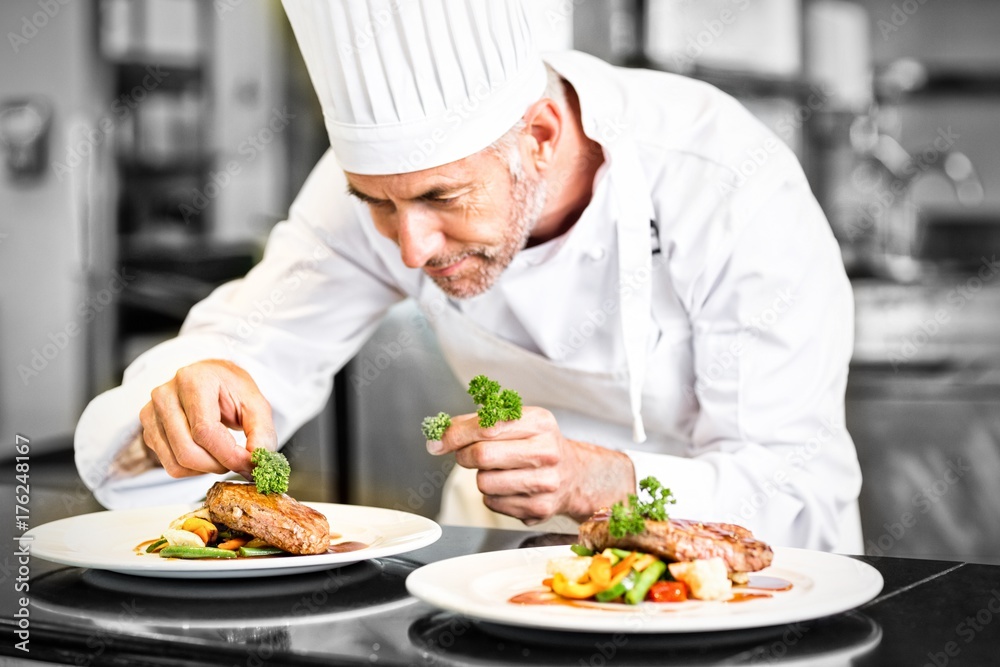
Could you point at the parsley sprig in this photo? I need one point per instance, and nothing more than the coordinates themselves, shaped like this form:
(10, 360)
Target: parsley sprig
(497, 404)
(435, 425)
(652, 506)
(271, 471)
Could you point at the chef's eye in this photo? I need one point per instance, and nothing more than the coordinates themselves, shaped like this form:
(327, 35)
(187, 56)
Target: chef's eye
(382, 206)
(444, 200)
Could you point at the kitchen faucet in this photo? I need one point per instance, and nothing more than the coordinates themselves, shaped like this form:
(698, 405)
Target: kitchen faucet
(892, 171)
(897, 216)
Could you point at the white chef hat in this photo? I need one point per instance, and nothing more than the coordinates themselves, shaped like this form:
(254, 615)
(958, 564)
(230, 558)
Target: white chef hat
(407, 85)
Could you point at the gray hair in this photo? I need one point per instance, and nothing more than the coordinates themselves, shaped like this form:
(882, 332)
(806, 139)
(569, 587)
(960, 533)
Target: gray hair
(506, 148)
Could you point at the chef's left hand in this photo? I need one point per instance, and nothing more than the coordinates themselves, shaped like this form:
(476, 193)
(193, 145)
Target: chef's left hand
(530, 471)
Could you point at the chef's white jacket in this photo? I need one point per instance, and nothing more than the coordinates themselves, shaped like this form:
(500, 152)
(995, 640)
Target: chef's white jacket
(749, 316)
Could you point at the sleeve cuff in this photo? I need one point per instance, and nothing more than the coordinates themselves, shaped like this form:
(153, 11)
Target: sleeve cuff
(111, 421)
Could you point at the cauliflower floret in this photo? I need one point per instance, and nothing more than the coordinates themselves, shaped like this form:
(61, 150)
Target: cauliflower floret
(182, 538)
(708, 579)
(574, 568)
(201, 513)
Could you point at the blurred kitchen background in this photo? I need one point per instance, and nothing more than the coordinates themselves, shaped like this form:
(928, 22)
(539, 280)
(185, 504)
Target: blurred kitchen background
(148, 146)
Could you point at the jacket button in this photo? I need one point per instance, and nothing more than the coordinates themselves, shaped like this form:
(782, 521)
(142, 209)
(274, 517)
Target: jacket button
(596, 253)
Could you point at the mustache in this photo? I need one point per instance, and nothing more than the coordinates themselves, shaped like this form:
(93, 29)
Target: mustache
(448, 260)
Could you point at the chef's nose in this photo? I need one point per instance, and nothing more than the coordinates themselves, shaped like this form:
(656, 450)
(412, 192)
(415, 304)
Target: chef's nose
(420, 236)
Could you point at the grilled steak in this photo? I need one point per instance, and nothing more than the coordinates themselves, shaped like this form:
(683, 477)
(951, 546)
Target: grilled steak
(683, 540)
(275, 518)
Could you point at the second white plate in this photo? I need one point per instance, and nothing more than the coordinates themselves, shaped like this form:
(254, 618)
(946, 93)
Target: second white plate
(480, 586)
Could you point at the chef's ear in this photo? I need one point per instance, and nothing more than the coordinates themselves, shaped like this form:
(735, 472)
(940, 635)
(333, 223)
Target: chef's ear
(544, 125)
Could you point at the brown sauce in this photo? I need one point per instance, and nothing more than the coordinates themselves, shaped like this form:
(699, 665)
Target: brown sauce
(140, 549)
(743, 597)
(543, 596)
(759, 587)
(344, 547)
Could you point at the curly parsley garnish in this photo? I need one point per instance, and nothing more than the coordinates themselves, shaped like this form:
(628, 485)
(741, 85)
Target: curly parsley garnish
(632, 519)
(271, 471)
(497, 404)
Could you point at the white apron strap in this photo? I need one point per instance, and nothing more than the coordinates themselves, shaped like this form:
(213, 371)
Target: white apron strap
(634, 209)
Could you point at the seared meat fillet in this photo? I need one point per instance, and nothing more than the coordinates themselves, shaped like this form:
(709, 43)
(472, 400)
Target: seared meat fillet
(275, 518)
(683, 540)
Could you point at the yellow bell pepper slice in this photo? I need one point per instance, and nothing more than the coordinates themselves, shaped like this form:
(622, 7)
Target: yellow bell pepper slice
(600, 571)
(572, 590)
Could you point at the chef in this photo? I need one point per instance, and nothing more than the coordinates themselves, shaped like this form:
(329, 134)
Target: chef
(631, 251)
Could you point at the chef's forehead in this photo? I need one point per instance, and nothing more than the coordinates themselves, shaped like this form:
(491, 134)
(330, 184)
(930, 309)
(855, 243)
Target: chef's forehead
(463, 175)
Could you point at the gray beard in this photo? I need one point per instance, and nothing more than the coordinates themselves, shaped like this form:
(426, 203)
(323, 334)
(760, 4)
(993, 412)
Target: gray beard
(528, 197)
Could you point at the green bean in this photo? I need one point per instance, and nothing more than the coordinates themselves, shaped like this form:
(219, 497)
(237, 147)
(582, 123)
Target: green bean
(155, 545)
(196, 552)
(621, 553)
(644, 581)
(581, 550)
(250, 552)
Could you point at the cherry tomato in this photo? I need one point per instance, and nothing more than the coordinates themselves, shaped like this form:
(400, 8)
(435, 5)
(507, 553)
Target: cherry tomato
(667, 591)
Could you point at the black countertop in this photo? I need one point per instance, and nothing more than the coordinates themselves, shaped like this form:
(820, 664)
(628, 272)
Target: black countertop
(929, 612)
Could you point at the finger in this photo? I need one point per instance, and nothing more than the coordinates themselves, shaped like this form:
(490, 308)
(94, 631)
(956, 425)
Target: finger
(529, 509)
(506, 455)
(521, 482)
(187, 453)
(155, 438)
(203, 415)
(465, 429)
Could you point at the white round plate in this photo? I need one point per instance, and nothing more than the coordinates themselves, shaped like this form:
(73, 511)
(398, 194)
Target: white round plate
(107, 540)
(479, 587)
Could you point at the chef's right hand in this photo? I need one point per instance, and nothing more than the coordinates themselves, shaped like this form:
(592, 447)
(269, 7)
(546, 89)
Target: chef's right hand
(187, 422)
